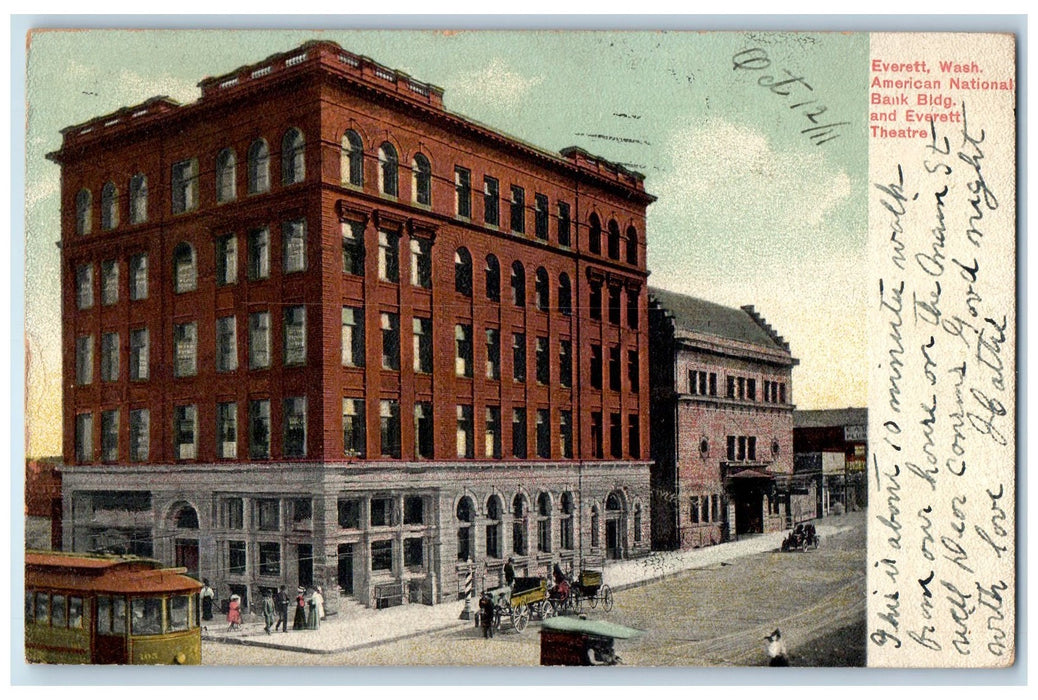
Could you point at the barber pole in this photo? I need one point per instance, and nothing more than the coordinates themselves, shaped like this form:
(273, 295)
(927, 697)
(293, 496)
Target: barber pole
(466, 613)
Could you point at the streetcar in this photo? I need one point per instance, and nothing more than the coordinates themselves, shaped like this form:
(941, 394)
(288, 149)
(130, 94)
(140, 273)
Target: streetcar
(109, 609)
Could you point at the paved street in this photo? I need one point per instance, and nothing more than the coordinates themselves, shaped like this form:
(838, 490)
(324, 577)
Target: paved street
(711, 616)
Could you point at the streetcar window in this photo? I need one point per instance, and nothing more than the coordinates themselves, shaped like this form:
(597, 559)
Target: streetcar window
(179, 607)
(146, 616)
(57, 611)
(104, 615)
(30, 606)
(42, 609)
(75, 612)
(119, 616)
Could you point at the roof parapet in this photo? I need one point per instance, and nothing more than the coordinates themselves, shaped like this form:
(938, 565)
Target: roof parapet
(759, 320)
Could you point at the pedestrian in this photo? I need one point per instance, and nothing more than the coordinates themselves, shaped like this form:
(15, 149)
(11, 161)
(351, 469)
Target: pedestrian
(268, 611)
(282, 609)
(313, 622)
(510, 571)
(319, 600)
(299, 623)
(207, 600)
(486, 615)
(234, 612)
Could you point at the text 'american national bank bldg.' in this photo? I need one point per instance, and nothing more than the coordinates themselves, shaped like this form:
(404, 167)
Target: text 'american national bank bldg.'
(319, 330)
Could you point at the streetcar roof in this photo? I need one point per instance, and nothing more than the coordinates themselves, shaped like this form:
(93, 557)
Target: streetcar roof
(599, 628)
(104, 573)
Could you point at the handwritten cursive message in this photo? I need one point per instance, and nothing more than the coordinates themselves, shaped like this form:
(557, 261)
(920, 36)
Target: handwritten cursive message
(942, 398)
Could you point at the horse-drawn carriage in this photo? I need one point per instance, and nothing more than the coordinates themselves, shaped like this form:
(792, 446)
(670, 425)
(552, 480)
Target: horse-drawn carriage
(516, 604)
(589, 587)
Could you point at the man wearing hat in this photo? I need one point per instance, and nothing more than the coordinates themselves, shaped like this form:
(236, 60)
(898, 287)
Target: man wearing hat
(282, 607)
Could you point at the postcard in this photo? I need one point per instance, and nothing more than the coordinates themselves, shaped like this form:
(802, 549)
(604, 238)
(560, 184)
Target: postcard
(520, 348)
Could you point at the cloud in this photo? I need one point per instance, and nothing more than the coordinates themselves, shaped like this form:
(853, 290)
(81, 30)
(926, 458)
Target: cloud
(496, 85)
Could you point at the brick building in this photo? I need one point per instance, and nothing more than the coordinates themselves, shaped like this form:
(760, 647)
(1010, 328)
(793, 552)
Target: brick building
(318, 329)
(831, 451)
(43, 503)
(722, 426)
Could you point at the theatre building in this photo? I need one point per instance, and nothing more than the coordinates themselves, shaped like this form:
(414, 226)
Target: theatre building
(722, 422)
(318, 330)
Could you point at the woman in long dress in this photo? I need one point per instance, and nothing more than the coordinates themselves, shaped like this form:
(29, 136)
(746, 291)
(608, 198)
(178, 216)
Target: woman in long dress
(234, 612)
(299, 623)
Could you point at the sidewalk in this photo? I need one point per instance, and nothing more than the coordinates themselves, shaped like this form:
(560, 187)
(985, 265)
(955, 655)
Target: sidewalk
(366, 627)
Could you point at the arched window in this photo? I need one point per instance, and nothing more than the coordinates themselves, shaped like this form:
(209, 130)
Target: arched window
(186, 518)
(614, 240)
(544, 522)
(466, 515)
(226, 175)
(632, 245)
(387, 169)
(519, 516)
(540, 289)
(594, 235)
(259, 167)
(421, 180)
(566, 521)
(494, 527)
(565, 295)
(493, 278)
(185, 277)
(109, 207)
(518, 284)
(463, 272)
(138, 199)
(613, 502)
(83, 219)
(293, 161)
(352, 163)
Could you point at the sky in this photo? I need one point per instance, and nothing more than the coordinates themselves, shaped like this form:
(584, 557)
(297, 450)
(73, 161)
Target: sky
(750, 210)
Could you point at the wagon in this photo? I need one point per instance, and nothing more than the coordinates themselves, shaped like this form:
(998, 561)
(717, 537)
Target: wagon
(515, 604)
(589, 587)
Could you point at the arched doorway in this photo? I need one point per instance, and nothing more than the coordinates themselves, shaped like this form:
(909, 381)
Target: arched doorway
(615, 526)
(185, 522)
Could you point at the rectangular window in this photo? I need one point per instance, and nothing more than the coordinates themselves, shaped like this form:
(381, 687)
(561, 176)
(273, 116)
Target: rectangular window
(566, 434)
(227, 259)
(109, 282)
(85, 437)
(268, 514)
(382, 555)
(349, 513)
(614, 305)
(352, 248)
(492, 432)
(414, 510)
(388, 256)
(463, 192)
(491, 201)
(139, 277)
(519, 433)
(741, 453)
(713, 383)
(110, 357)
(259, 253)
(614, 368)
(259, 340)
(543, 361)
(421, 263)
(84, 359)
(632, 309)
(566, 363)
(259, 429)
(413, 552)
(595, 301)
(226, 344)
(731, 448)
(389, 425)
(540, 221)
(236, 558)
(543, 433)
(564, 225)
(185, 432)
(295, 335)
(751, 389)
(596, 366)
(465, 439)
(227, 430)
(518, 209)
(390, 341)
(715, 506)
(730, 386)
(422, 345)
(633, 436)
(741, 385)
(615, 434)
(233, 510)
(185, 349)
(84, 286)
(109, 436)
(293, 240)
(423, 430)
(352, 337)
(751, 448)
(184, 182)
(294, 422)
(693, 510)
(596, 434)
(519, 357)
(353, 432)
(382, 512)
(140, 435)
(632, 370)
(463, 350)
(493, 368)
(270, 559)
(782, 393)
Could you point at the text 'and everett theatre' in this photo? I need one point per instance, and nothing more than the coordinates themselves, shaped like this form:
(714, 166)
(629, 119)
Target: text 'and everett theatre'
(318, 330)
